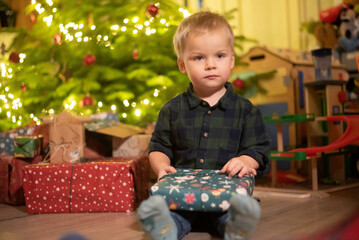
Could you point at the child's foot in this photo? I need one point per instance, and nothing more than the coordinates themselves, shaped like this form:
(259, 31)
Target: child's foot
(243, 217)
(156, 220)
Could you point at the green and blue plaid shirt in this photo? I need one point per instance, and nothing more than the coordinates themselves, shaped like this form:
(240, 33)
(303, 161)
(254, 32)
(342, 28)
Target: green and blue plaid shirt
(195, 135)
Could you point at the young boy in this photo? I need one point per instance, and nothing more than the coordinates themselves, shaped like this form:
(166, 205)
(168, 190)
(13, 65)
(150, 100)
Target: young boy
(207, 127)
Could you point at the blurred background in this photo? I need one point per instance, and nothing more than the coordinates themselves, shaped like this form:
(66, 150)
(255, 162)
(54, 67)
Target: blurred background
(98, 56)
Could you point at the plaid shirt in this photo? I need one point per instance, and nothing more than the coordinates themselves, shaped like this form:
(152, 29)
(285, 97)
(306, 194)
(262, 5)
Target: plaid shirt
(195, 135)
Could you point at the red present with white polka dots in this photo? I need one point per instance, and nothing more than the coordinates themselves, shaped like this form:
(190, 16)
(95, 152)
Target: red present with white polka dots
(82, 187)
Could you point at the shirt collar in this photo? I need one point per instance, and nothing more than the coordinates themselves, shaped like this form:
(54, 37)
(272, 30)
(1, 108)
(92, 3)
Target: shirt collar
(194, 101)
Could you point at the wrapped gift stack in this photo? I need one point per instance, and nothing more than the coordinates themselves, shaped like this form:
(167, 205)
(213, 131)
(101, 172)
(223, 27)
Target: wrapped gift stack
(201, 190)
(71, 180)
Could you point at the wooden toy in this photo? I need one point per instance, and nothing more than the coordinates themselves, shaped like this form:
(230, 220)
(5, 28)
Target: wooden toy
(279, 120)
(350, 136)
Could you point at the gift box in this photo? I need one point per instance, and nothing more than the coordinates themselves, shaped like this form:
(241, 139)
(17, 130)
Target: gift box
(66, 138)
(26, 146)
(7, 139)
(140, 169)
(201, 190)
(11, 175)
(136, 145)
(106, 116)
(126, 140)
(82, 187)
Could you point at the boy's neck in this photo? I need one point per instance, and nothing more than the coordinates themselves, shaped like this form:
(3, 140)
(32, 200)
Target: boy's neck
(211, 97)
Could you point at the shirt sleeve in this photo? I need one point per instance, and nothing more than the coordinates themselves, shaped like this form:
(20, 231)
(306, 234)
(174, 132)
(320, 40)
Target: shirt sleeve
(255, 139)
(161, 137)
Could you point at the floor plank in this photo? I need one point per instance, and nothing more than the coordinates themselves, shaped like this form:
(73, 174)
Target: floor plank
(293, 217)
(282, 217)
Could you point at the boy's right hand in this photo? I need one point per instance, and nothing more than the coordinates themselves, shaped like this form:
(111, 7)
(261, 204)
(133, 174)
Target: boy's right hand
(165, 170)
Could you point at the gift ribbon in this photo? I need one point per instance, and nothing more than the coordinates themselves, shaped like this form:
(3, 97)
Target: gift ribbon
(61, 146)
(56, 147)
(70, 196)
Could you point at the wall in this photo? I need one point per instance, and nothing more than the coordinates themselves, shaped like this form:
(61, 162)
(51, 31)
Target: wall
(274, 23)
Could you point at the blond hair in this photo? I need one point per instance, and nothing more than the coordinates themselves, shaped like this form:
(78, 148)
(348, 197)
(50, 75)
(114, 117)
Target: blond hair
(200, 22)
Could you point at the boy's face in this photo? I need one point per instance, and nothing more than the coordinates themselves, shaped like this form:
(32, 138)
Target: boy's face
(207, 59)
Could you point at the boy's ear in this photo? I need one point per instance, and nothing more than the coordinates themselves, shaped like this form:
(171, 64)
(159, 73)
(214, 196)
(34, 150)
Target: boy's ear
(233, 60)
(181, 65)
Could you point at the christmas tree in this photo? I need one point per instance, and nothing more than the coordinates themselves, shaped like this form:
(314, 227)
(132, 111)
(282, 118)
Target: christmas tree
(92, 56)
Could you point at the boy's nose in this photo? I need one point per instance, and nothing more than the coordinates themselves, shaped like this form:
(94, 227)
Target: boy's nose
(210, 64)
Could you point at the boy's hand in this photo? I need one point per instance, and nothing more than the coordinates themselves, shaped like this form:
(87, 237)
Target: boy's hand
(165, 170)
(161, 164)
(240, 166)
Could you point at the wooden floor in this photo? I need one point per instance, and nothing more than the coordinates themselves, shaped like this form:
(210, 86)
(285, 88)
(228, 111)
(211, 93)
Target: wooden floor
(282, 218)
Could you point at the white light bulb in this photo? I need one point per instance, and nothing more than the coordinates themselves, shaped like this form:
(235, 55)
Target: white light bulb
(135, 19)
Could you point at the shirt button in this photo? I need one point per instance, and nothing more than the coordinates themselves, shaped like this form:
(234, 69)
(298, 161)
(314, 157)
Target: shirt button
(201, 160)
(205, 134)
(204, 103)
(209, 112)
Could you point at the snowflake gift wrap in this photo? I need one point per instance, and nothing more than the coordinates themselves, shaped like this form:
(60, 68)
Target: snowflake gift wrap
(82, 187)
(201, 190)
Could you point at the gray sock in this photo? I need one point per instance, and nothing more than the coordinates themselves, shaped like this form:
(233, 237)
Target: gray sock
(156, 220)
(243, 217)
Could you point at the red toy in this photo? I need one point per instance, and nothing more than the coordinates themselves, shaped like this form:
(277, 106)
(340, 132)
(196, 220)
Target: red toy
(332, 15)
(350, 136)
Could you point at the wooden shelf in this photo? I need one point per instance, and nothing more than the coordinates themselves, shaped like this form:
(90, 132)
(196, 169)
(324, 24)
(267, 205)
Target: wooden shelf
(322, 134)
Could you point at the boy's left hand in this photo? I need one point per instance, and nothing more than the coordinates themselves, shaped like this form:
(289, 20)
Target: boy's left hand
(240, 166)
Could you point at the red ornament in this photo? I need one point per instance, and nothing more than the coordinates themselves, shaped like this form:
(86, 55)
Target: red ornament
(14, 57)
(239, 83)
(152, 11)
(23, 87)
(32, 17)
(57, 39)
(86, 101)
(89, 60)
(135, 54)
(342, 97)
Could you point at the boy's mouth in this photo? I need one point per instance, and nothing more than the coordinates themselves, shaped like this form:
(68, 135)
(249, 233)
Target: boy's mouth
(211, 76)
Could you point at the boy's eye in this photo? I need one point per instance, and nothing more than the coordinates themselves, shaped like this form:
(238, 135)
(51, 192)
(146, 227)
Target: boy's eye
(220, 55)
(198, 58)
